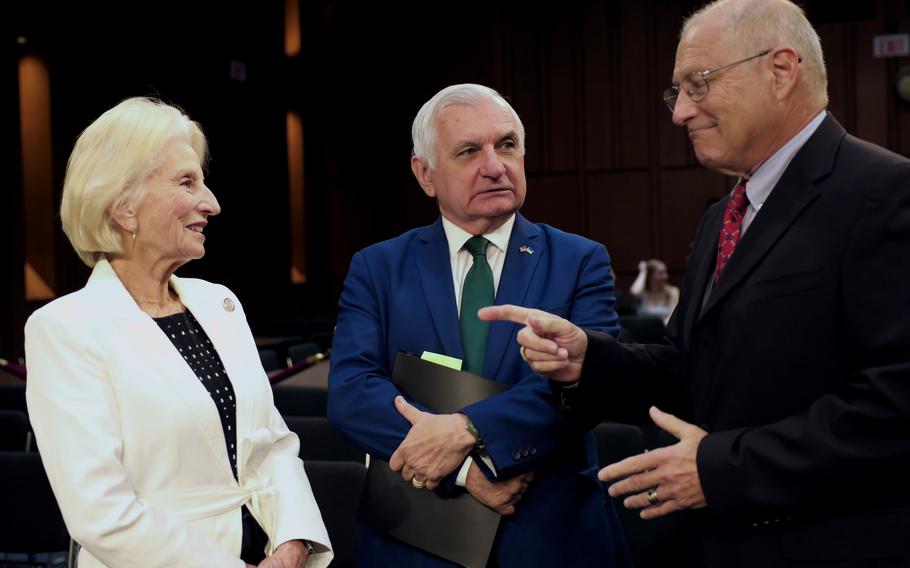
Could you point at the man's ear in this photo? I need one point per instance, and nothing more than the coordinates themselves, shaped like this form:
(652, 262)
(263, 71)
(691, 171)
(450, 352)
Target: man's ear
(125, 218)
(785, 66)
(422, 172)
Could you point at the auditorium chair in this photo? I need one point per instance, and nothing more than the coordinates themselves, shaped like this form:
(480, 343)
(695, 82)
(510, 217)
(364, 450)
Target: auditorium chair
(320, 441)
(337, 486)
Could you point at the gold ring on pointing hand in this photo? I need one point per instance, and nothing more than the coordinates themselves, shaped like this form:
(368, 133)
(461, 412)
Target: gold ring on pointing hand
(522, 353)
(418, 484)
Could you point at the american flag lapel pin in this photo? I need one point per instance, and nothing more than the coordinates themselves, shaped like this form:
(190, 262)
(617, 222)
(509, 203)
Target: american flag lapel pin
(526, 249)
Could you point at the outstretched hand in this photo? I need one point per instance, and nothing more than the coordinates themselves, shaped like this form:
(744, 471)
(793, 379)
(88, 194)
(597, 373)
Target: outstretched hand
(553, 347)
(664, 480)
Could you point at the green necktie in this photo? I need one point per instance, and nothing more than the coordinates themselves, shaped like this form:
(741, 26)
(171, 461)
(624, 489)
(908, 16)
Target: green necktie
(476, 293)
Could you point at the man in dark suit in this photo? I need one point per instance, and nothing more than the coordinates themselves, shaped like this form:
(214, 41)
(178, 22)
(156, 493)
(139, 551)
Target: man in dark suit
(421, 291)
(789, 354)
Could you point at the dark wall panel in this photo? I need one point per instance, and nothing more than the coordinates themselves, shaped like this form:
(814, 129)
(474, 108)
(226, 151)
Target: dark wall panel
(871, 116)
(635, 83)
(553, 199)
(12, 257)
(901, 109)
(527, 92)
(836, 44)
(685, 195)
(603, 157)
(600, 102)
(562, 110)
(672, 141)
(619, 210)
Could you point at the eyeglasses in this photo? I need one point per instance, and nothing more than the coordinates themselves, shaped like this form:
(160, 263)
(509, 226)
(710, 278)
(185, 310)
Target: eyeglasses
(695, 84)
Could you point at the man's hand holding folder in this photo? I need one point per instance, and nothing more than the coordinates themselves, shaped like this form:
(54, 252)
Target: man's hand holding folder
(436, 445)
(460, 526)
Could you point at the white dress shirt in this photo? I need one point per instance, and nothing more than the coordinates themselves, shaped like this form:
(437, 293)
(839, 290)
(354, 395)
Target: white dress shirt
(767, 175)
(462, 260)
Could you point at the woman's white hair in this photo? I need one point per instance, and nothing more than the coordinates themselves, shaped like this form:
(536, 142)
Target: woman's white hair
(751, 26)
(423, 131)
(110, 162)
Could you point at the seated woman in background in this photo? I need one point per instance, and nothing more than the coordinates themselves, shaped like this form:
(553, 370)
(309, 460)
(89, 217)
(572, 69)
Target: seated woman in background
(652, 287)
(153, 415)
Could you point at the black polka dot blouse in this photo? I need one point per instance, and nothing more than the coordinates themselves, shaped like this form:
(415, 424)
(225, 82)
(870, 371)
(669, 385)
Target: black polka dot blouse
(194, 345)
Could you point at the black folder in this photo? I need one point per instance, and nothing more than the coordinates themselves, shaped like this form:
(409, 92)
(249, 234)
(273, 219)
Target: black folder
(459, 529)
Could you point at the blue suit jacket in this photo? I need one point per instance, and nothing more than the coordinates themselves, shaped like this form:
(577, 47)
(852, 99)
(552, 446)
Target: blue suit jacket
(398, 296)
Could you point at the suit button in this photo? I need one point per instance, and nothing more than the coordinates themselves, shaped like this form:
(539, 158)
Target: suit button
(533, 451)
(524, 452)
(516, 455)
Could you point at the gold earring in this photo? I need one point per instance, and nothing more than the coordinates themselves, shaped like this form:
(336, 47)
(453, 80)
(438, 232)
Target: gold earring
(134, 240)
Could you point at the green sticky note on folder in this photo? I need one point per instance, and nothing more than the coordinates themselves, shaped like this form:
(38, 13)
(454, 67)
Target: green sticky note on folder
(444, 360)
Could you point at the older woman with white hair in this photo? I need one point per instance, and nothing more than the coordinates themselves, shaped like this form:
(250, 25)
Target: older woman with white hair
(154, 417)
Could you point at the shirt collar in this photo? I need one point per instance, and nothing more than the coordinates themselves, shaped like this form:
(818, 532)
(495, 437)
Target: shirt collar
(457, 237)
(764, 179)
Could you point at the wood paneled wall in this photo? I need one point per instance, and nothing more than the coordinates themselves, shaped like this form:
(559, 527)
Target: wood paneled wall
(12, 249)
(603, 158)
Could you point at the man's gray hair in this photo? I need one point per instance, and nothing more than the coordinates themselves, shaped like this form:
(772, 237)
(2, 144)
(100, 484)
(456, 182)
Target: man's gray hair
(423, 131)
(751, 26)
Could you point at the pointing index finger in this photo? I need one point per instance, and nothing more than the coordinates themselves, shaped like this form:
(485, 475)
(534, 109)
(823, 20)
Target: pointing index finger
(505, 312)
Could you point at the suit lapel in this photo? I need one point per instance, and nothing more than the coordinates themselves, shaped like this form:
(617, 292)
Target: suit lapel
(211, 313)
(517, 272)
(793, 193)
(223, 321)
(435, 269)
(706, 250)
(162, 360)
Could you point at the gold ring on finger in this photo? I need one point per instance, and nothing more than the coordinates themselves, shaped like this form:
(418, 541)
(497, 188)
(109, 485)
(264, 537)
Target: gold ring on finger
(652, 496)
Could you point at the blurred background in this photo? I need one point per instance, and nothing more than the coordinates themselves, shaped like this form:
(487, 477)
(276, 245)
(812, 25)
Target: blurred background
(308, 104)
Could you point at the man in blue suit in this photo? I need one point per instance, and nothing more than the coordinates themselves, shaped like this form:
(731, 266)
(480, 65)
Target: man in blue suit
(420, 292)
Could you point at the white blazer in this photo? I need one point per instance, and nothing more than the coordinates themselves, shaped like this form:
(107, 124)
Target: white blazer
(132, 442)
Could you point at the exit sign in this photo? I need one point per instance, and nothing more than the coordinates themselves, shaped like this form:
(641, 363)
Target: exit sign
(891, 45)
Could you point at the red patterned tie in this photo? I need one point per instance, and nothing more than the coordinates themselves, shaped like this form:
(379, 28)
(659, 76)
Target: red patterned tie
(730, 231)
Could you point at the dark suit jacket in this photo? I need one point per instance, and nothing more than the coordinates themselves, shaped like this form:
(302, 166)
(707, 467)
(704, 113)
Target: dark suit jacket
(798, 365)
(398, 296)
